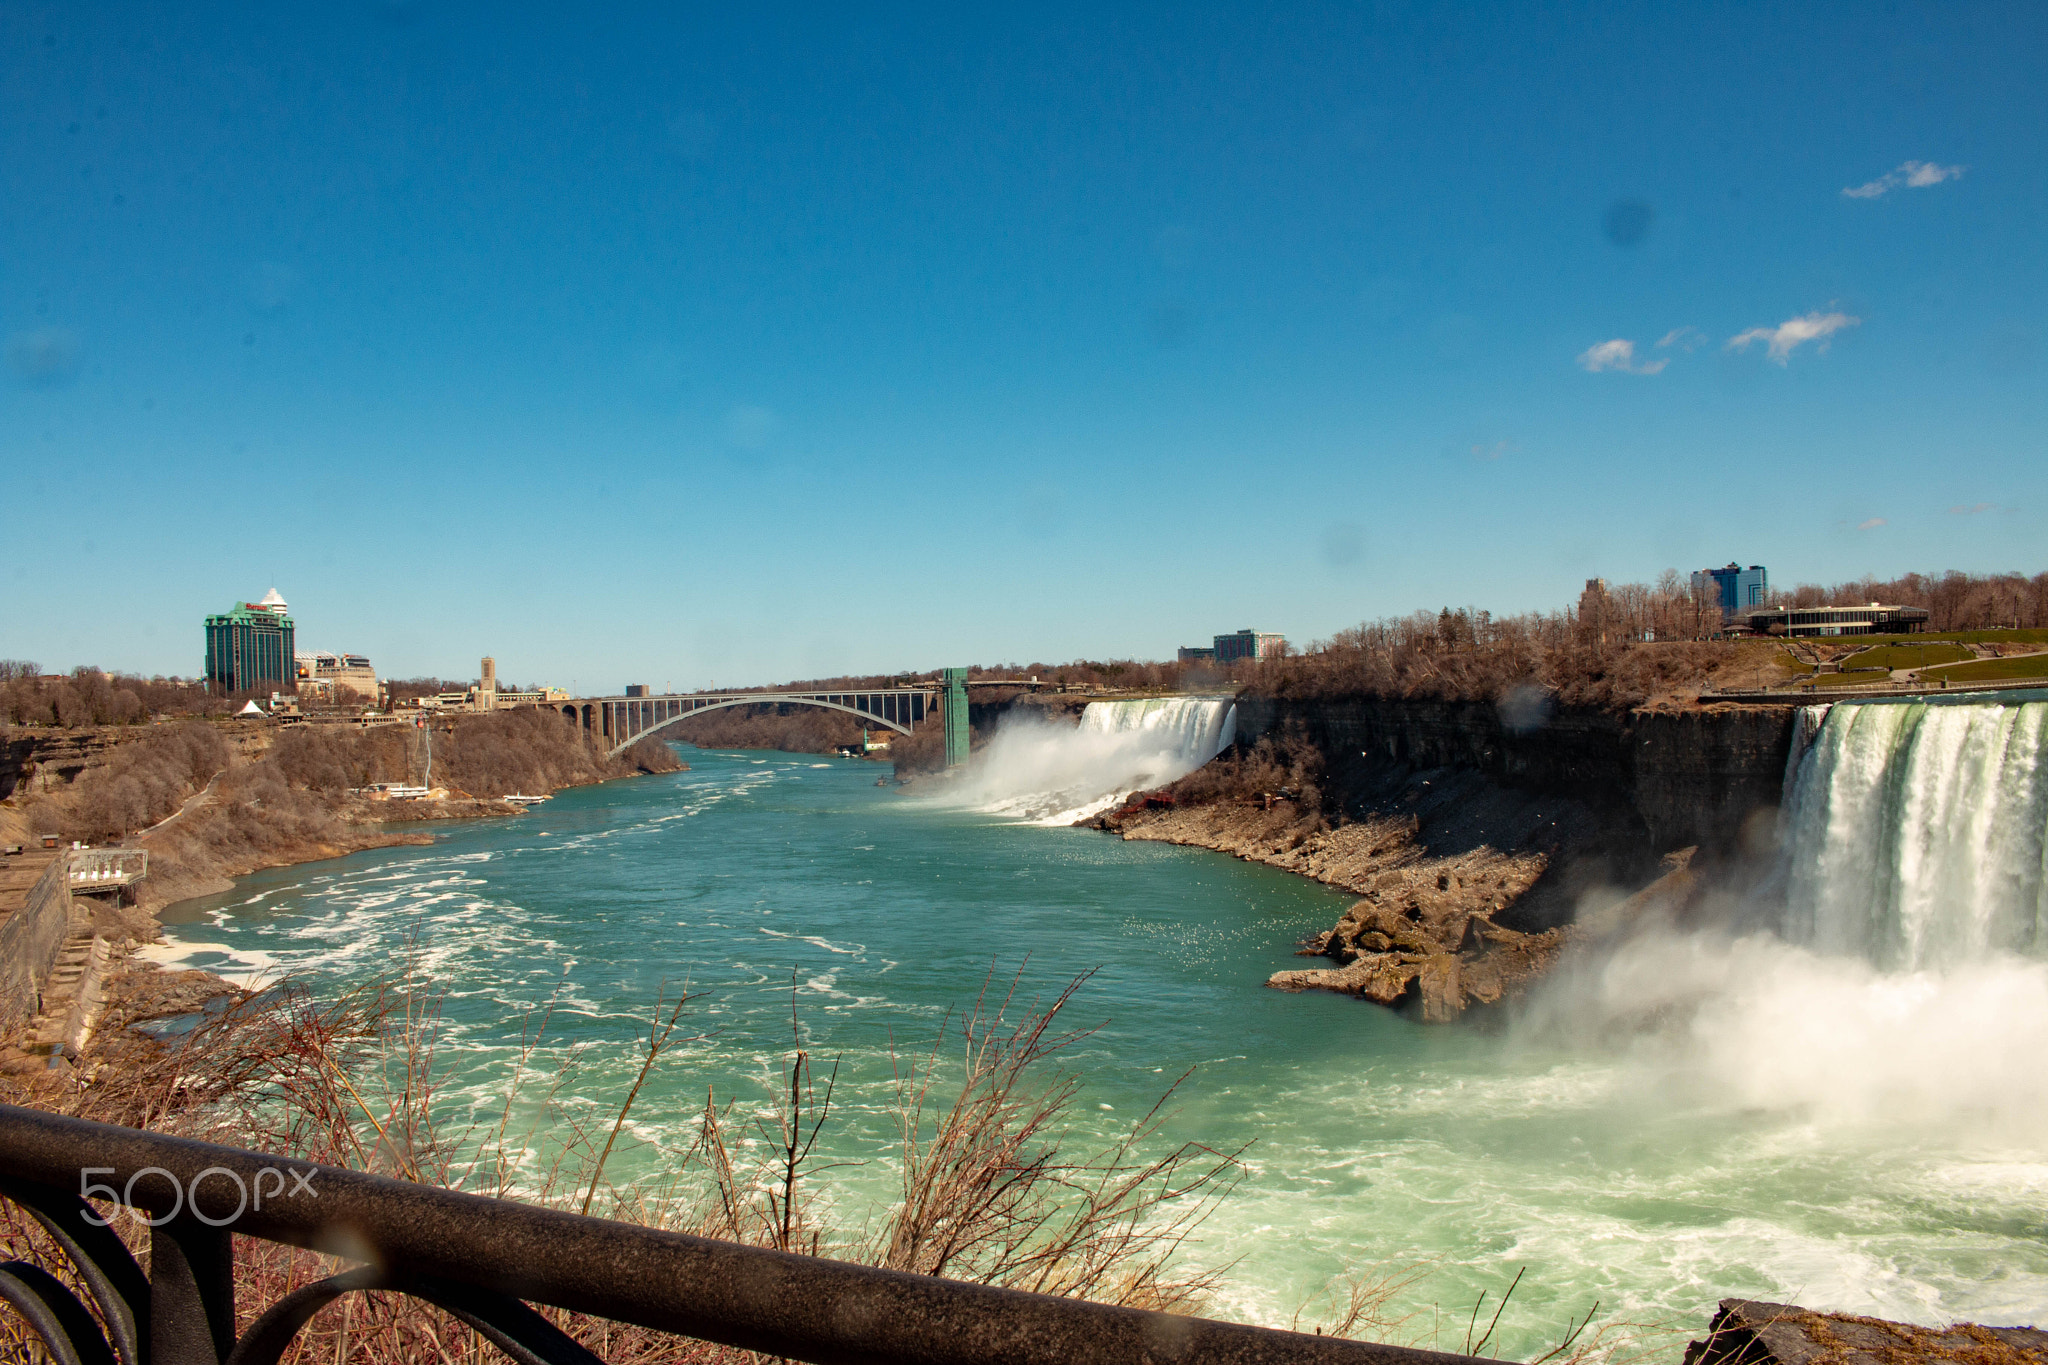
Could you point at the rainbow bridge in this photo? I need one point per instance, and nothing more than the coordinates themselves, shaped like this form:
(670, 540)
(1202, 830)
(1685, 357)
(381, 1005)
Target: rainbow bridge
(621, 722)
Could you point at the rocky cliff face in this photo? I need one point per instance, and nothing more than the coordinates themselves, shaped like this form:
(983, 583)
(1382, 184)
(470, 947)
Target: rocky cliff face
(59, 756)
(46, 757)
(1481, 840)
(1671, 778)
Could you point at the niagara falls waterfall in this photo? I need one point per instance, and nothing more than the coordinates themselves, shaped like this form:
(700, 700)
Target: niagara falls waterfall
(1056, 774)
(1906, 983)
(1915, 833)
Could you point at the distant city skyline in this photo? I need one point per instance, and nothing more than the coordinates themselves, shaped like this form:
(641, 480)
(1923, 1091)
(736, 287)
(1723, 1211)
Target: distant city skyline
(740, 347)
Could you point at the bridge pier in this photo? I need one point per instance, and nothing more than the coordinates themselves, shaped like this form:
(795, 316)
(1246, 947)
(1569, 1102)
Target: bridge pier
(956, 717)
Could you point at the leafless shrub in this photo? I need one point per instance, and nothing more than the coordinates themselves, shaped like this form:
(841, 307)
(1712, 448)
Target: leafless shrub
(1289, 766)
(991, 1189)
(1368, 1305)
(788, 726)
(990, 1194)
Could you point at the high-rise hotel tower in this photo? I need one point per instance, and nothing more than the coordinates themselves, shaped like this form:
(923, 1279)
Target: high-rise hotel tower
(249, 648)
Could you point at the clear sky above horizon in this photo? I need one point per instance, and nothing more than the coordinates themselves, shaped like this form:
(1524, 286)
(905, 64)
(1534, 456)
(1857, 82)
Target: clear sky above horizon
(683, 345)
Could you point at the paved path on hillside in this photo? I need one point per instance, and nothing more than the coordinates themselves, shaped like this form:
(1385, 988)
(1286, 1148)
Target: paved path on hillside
(190, 802)
(1913, 675)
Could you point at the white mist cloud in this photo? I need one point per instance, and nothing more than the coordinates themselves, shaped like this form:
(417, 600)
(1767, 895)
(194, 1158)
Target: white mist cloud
(1793, 333)
(1872, 524)
(1759, 1024)
(1055, 774)
(1972, 509)
(1913, 175)
(1686, 338)
(1619, 354)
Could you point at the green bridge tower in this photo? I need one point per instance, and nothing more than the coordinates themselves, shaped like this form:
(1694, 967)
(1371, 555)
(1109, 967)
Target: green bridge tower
(956, 717)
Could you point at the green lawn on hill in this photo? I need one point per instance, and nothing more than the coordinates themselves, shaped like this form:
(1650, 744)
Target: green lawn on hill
(1991, 670)
(2034, 635)
(1919, 654)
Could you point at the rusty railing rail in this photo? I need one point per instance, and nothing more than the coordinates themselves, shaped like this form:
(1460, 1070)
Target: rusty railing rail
(487, 1260)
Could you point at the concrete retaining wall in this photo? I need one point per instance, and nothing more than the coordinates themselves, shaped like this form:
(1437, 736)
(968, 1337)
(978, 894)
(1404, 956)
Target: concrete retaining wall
(29, 943)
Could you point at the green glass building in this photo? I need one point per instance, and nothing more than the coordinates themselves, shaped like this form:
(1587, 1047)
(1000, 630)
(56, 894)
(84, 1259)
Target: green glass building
(249, 648)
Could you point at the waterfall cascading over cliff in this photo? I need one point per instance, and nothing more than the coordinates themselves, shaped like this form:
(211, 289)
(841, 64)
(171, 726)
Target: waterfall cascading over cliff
(1904, 989)
(1915, 832)
(1056, 774)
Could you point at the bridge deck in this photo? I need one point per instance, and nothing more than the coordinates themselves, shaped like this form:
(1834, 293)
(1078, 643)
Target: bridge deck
(624, 720)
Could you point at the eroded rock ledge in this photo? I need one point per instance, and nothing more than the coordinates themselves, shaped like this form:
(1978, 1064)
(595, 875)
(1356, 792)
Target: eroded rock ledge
(1468, 890)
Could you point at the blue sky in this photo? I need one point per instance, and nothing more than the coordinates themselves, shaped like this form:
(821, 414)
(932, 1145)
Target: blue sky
(671, 345)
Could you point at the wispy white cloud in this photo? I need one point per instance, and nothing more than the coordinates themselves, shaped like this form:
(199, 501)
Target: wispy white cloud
(1870, 525)
(1972, 509)
(1787, 336)
(1619, 354)
(1685, 338)
(1921, 174)
(1914, 175)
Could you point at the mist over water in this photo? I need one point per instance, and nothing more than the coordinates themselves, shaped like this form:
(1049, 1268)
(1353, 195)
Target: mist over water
(1905, 984)
(1055, 774)
(1895, 1015)
(1754, 1024)
(1800, 1111)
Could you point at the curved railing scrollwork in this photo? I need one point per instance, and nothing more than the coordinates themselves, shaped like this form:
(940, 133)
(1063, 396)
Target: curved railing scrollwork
(487, 1261)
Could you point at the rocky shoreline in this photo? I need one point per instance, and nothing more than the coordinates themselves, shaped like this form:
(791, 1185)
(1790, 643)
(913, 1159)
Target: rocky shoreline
(1471, 885)
(362, 831)
(262, 799)
(1441, 924)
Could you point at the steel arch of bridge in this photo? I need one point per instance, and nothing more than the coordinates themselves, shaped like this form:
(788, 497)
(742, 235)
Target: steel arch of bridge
(627, 720)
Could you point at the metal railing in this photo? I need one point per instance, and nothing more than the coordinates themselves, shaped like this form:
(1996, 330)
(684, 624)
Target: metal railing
(486, 1261)
(1799, 694)
(108, 867)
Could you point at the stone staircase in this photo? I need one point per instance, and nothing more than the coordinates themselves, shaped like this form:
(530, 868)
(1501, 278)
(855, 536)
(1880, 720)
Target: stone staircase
(73, 996)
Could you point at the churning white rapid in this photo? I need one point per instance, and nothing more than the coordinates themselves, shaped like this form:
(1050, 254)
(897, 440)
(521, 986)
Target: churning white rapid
(1057, 774)
(1916, 832)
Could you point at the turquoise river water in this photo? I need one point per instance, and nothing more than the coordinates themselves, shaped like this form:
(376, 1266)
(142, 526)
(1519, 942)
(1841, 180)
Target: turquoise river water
(1655, 1133)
